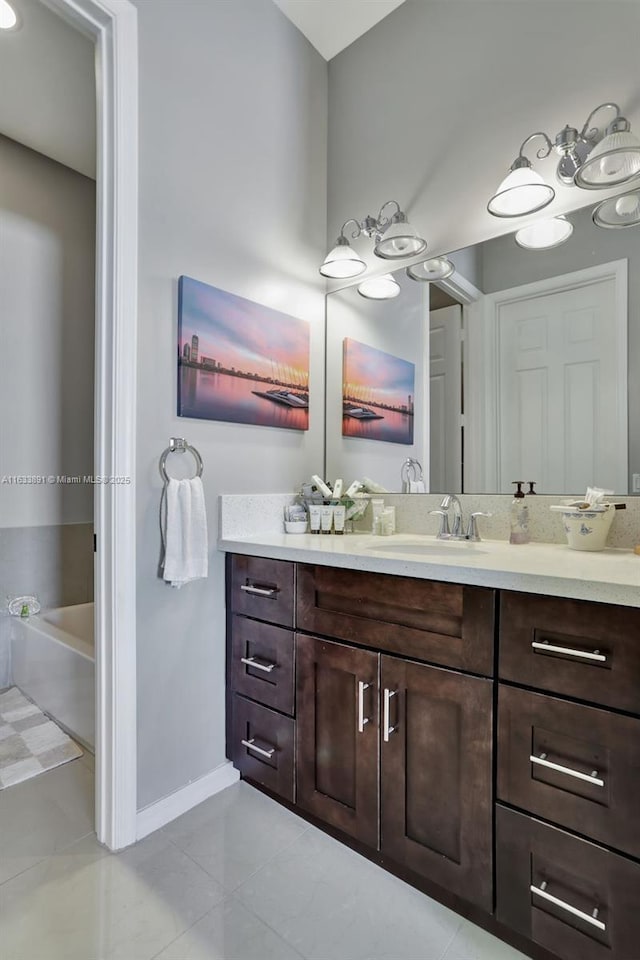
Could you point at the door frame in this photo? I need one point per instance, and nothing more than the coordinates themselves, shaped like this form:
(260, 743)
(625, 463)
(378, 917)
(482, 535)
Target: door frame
(113, 26)
(482, 340)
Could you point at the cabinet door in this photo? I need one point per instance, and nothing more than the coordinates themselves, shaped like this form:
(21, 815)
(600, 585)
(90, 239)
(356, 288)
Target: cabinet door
(337, 742)
(436, 797)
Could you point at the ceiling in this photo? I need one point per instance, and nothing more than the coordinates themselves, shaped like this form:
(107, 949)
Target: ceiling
(47, 78)
(331, 25)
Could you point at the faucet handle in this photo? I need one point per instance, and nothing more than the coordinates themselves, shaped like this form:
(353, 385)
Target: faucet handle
(443, 532)
(472, 532)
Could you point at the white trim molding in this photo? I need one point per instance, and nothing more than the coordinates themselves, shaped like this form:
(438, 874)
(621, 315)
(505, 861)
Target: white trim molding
(113, 25)
(163, 811)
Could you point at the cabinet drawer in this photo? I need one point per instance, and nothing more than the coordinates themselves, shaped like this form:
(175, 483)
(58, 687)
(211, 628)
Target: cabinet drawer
(263, 589)
(584, 901)
(263, 663)
(443, 623)
(596, 791)
(263, 746)
(586, 650)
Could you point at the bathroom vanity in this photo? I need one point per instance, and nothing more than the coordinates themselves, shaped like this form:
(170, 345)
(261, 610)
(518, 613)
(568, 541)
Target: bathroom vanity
(452, 721)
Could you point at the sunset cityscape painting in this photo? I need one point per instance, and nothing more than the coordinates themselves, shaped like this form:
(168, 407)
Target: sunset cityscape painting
(239, 361)
(377, 394)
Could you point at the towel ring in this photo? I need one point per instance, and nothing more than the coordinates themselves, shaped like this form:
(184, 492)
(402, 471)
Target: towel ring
(179, 445)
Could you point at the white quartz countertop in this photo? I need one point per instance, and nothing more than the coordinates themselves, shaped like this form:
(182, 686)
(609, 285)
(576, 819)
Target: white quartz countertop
(610, 576)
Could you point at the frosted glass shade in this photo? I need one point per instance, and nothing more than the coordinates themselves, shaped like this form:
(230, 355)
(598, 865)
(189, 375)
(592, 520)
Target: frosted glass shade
(379, 288)
(342, 262)
(438, 268)
(399, 240)
(8, 16)
(615, 160)
(618, 212)
(522, 191)
(544, 234)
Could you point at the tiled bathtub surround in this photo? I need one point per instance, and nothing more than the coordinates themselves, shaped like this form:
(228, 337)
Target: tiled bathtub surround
(244, 516)
(54, 562)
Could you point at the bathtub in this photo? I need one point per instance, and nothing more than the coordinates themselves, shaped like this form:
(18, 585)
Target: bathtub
(53, 663)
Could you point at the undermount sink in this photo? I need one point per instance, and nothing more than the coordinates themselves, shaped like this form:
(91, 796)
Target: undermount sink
(423, 546)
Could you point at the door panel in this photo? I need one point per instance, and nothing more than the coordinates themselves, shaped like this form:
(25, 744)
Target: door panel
(436, 776)
(337, 735)
(445, 376)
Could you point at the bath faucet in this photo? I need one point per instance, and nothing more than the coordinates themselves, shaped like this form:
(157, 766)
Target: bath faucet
(456, 530)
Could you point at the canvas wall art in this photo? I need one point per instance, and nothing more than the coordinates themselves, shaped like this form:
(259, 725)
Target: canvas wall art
(378, 393)
(239, 361)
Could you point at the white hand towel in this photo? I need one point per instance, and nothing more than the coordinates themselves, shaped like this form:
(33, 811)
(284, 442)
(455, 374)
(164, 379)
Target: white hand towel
(186, 554)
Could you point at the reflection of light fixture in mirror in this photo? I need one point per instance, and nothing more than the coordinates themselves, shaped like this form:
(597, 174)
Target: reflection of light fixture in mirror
(616, 213)
(613, 161)
(342, 261)
(394, 239)
(438, 268)
(379, 288)
(8, 16)
(544, 234)
(523, 190)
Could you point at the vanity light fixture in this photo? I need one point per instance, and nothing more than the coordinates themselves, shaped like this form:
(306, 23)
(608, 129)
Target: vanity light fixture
(385, 287)
(393, 236)
(616, 213)
(595, 158)
(8, 16)
(437, 268)
(523, 190)
(544, 234)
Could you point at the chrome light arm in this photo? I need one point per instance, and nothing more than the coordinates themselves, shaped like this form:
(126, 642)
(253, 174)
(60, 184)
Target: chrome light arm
(591, 133)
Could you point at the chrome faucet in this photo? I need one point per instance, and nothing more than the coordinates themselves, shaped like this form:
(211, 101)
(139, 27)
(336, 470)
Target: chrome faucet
(456, 530)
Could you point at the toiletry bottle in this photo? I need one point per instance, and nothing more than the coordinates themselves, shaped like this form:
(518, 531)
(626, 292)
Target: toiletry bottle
(337, 489)
(377, 506)
(324, 489)
(519, 516)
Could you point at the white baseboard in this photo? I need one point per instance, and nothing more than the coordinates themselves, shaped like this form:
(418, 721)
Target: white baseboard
(163, 811)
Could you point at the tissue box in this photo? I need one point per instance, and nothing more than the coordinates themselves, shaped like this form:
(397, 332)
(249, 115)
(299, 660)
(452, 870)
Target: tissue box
(588, 529)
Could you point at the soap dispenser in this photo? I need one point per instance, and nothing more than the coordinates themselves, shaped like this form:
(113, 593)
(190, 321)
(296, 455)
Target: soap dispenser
(519, 516)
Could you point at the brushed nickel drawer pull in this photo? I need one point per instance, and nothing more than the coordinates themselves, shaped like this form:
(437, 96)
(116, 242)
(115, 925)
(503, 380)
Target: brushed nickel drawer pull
(588, 777)
(260, 591)
(541, 891)
(582, 654)
(387, 729)
(362, 686)
(250, 745)
(252, 662)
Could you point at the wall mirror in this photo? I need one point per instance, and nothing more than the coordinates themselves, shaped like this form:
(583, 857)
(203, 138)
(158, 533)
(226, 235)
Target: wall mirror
(517, 367)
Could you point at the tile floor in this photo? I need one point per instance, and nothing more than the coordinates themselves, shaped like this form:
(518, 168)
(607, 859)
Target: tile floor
(237, 878)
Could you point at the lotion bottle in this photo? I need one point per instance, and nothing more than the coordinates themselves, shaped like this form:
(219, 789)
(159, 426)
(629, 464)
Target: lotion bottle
(519, 516)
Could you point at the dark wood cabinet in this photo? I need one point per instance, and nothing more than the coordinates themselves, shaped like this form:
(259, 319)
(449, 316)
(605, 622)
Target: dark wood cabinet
(262, 663)
(436, 776)
(570, 896)
(263, 746)
(337, 735)
(263, 589)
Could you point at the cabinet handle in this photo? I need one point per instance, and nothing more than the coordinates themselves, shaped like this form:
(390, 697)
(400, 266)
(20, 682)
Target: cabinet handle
(252, 662)
(362, 686)
(260, 591)
(591, 918)
(387, 730)
(582, 654)
(589, 777)
(250, 745)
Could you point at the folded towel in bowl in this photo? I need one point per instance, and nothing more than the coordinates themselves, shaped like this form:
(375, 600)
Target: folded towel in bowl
(184, 532)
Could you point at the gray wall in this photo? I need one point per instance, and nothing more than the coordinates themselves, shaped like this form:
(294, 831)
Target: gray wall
(507, 265)
(430, 106)
(233, 115)
(47, 234)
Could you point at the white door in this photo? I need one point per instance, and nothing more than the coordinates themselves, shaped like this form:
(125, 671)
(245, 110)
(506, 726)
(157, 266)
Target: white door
(558, 374)
(445, 375)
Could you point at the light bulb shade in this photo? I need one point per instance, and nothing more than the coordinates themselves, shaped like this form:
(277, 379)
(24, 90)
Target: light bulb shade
(544, 234)
(438, 268)
(616, 213)
(342, 262)
(8, 16)
(522, 191)
(399, 240)
(613, 161)
(379, 288)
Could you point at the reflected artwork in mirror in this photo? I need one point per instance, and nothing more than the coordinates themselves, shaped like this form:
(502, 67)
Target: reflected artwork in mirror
(522, 366)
